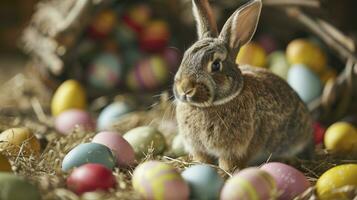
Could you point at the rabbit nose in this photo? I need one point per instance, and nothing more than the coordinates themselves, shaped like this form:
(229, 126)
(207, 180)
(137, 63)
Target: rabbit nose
(186, 88)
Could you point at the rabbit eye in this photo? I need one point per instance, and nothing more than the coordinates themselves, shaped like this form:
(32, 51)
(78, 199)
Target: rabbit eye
(216, 66)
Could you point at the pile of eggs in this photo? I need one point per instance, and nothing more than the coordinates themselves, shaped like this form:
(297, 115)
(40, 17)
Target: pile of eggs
(127, 47)
(303, 65)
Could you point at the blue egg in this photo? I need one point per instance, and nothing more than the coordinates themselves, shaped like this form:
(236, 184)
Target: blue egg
(105, 71)
(111, 114)
(88, 153)
(204, 182)
(304, 82)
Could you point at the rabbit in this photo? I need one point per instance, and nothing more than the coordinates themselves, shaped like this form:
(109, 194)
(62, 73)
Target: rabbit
(229, 113)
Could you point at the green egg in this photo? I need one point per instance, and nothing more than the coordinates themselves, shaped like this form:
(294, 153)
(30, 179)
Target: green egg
(13, 187)
(178, 147)
(142, 138)
(278, 64)
(88, 153)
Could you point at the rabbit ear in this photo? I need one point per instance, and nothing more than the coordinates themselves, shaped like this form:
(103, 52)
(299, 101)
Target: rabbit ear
(206, 23)
(240, 27)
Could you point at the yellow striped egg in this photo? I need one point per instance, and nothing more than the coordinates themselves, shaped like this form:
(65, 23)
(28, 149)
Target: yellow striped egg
(249, 184)
(156, 180)
(149, 74)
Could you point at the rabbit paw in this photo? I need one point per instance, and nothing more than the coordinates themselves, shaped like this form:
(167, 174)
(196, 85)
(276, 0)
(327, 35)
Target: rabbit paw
(231, 164)
(203, 157)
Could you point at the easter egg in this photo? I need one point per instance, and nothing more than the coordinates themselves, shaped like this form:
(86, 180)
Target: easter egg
(16, 139)
(140, 14)
(268, 42)
(290, 181)
(124, 153)
(69, 119)
(125, 36)
(144, 137)
(251, 54)
(103, 24)
(250, 183)
(178, 147)
(341, 137)
(88, 153)
(306, 84)
(149, 74)
(204, 182)
(172, 56)
(302, 51)
(4, 164)
(319, 132)
(111, 114)
(327, 74)
(68, 95)
(278, 64)
(335, 178)
(155, 36)
(105, 71)
(13, 187)
(86, 178)
(157, 180)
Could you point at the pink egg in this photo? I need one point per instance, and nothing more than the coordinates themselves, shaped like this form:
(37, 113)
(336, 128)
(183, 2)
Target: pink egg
(290, 181)
(67, 120)
(90, 177)
(124, 153)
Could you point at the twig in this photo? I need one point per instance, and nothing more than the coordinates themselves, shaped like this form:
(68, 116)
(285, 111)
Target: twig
(303, 3)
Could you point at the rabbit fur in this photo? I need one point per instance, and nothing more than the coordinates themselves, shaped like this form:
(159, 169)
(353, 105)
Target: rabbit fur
(233, 113)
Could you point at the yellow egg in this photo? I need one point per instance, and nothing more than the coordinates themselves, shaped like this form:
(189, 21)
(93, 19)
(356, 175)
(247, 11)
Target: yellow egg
(335, 178)
(302, 51)
(16, 139)
(68, 95)
(327, 74)
(341, 137)
(252, 54)
(4, 164)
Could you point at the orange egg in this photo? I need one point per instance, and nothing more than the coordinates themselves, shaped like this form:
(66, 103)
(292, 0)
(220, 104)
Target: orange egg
(16, 139)
(4, 164)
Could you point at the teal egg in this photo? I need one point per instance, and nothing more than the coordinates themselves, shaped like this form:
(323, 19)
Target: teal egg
(88, 153)
(204, 182)
(307, 84)
(278, 64)
(13, 187)
(105, 71)
(111, 114)
(143, 138)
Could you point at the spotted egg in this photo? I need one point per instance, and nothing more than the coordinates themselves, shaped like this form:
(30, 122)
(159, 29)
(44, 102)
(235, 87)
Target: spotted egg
(105, 71)
(156, 180)
(20, 139)
(290, 181)
(88, 153)
(143, 138)
(70, 94)
(249, 184)
(332, 180)
(69, 119)
(204, 182)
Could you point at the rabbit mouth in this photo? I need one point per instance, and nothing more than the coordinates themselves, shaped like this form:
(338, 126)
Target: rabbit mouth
(200, 95)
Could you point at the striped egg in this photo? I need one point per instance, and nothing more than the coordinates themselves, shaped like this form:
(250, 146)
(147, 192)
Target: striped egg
(249, 184)
(149, 74)
(156, 180)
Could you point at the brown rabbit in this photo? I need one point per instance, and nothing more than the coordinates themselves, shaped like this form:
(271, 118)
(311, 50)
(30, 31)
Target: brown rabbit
(235, 113)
